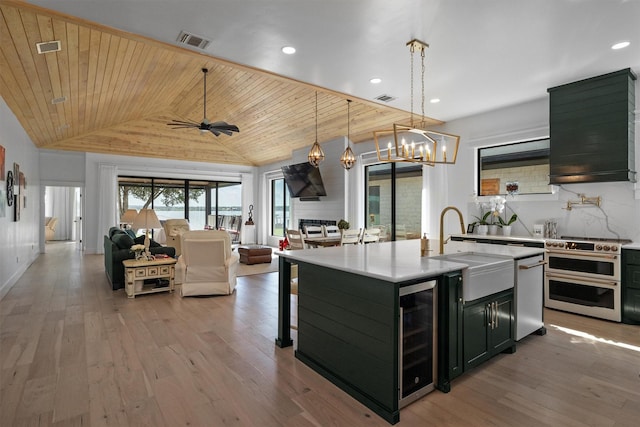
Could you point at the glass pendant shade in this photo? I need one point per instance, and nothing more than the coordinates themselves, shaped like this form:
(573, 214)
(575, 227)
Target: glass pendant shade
(348, 159)
(316, 155)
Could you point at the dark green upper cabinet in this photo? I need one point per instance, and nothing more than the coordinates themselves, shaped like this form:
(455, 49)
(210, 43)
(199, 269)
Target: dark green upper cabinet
(592, 129)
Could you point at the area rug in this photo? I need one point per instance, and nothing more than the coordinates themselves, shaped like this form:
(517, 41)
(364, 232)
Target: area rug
(249, 270)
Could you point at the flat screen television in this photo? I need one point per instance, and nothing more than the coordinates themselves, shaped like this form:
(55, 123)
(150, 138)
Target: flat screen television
(304, 181)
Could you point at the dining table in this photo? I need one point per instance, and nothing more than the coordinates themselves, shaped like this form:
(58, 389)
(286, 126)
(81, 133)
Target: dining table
(322, 241)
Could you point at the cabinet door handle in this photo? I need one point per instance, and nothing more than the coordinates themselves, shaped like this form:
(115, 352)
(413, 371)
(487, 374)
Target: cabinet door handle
(496, 313)
(487, 310)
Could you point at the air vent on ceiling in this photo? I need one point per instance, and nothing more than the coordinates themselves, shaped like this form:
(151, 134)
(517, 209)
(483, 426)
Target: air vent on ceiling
(59, 100)
(46, 47)
(385, 98)
(193, 40)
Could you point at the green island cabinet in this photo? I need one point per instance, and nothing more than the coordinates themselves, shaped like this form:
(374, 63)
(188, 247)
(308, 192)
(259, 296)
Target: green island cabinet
(631, 286)
(488, 328)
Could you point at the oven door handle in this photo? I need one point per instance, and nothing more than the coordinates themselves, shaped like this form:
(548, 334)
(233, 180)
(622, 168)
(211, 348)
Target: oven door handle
(527, 267)
(572, 255)
(581, 279)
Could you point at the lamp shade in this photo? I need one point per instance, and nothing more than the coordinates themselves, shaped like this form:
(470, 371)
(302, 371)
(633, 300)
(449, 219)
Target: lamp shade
(128, 216)
(146, 219)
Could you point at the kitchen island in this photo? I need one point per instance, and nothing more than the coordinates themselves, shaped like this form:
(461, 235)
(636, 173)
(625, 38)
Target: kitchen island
(349, 311)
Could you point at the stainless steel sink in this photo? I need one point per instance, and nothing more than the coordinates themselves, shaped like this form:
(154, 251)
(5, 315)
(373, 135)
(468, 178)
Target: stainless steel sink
(485, 275)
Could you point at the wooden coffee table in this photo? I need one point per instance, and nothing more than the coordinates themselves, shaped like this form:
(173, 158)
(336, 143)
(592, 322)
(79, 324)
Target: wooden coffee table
(137, 271)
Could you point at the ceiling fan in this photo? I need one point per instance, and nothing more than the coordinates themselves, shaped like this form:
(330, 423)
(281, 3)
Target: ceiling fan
(215, 128)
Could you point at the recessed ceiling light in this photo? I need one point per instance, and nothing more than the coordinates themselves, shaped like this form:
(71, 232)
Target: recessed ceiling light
(434, 100)
(620, 45)
(289, 50)
(375, 80)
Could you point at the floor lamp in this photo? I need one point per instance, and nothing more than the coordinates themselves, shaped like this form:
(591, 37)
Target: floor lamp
(146, 219)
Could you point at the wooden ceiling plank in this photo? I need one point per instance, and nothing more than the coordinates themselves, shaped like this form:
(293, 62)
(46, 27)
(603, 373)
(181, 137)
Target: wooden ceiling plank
(102, 81)
(61, 75)
(94, 52)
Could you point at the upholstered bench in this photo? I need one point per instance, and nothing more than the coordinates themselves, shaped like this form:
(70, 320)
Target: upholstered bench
(254, 254)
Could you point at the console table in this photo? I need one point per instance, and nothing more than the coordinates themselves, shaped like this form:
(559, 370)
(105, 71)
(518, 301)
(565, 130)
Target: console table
(137, 271)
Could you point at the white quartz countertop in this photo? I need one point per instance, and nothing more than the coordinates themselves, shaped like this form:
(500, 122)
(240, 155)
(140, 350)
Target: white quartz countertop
(399, 261)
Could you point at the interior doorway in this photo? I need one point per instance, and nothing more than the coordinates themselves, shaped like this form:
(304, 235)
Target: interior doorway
(63, 209)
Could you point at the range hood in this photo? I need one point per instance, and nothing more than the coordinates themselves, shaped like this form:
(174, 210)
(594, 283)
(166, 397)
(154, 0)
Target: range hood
(592, 129)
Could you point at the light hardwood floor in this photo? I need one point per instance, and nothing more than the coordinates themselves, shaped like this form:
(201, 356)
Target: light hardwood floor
(75, 353)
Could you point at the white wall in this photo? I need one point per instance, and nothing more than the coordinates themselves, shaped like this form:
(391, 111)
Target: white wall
(19, 241)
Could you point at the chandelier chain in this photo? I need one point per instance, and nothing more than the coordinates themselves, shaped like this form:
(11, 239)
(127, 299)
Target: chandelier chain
(411, 51)
(423, 68)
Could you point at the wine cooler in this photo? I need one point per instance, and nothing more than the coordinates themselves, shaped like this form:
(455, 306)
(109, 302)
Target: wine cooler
(417, 341)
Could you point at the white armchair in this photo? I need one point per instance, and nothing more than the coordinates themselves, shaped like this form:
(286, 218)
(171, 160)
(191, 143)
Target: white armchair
(207, 266)
(173, 229)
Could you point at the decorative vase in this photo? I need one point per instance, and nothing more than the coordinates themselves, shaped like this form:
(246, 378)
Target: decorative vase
(493, 229)
(506, 230)
(482, 229)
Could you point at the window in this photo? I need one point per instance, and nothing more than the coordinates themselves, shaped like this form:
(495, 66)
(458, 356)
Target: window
(518, 168)
(393, 202)
(201, 202)
(280, 207)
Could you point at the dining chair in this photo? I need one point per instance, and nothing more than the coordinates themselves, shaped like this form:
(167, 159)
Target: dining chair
(331, 231)
(350, 237)
(296, 239)
(313, 231)
(371, 235)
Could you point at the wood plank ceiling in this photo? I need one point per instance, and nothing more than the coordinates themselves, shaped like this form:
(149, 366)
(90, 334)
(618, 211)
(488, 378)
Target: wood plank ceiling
(122, 89)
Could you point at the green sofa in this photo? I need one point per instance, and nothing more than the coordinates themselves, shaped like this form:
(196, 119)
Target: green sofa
(117, 246)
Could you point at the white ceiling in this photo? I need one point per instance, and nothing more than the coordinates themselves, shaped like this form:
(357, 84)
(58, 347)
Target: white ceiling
(483, 54)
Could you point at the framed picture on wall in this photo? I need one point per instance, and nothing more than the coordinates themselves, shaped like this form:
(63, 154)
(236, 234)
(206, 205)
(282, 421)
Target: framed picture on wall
(2, 155)
(16, 192)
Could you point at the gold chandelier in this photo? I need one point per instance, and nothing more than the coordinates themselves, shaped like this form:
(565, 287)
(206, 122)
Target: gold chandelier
(415, 143)
(348, 159)
(316, 155)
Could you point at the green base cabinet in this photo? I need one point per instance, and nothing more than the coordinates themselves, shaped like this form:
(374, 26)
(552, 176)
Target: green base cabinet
(450, 363)
(631, 287)
(488, 328)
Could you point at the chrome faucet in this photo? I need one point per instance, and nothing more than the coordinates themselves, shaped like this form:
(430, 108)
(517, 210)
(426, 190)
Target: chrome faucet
(442, 223)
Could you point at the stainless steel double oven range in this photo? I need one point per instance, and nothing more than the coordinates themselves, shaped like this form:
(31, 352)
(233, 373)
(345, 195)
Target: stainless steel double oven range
(583, 276)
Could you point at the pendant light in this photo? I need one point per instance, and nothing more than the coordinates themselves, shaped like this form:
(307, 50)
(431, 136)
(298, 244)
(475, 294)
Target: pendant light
(348, 159)
(316, 155)
(415, 143)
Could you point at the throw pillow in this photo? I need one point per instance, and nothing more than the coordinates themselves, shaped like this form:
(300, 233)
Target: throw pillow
(122, 240)
(152, 243)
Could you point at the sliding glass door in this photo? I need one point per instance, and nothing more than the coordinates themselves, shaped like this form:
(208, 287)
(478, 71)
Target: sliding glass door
(393, 199)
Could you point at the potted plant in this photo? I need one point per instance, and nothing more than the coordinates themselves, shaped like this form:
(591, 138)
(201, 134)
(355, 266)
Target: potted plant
(482, 223)
(343, 225)
(506, 225)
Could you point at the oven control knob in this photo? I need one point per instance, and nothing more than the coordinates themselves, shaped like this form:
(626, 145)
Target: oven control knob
(554, 244)
(598, 247)
(614, 248)
(561, 245)
(606, 247)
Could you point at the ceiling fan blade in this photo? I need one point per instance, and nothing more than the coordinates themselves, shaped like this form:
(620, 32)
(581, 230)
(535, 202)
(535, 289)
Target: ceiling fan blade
(183, 123)
(215, 132)
(225, 126)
